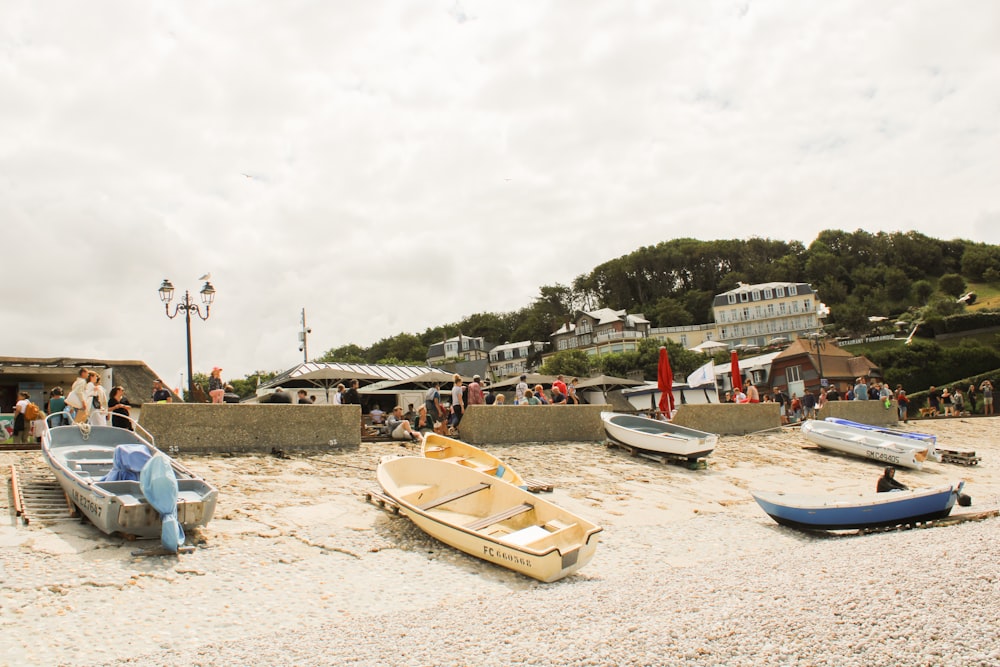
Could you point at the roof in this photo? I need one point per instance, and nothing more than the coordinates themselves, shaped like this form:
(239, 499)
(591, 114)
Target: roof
(380, 371)
(837, 363)
(514, 346)
(801, 289)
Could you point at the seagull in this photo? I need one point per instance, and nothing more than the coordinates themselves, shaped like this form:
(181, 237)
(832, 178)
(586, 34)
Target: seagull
(207, 276)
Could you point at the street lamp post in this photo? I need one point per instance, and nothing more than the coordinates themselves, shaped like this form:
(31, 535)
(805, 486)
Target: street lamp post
(188, 306)
(819, 345)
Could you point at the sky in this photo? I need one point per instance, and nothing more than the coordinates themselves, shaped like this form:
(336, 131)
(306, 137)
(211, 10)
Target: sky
(393, 166)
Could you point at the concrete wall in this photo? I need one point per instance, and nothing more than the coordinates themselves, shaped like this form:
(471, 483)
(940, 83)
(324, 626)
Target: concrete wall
(504, 424)
(249, 428)
(867, 412)
(729, 418)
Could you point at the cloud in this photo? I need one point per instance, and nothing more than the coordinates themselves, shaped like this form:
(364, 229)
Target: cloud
(391, 168)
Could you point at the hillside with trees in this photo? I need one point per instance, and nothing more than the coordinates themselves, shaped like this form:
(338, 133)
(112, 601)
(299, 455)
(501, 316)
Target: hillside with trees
(900, 276)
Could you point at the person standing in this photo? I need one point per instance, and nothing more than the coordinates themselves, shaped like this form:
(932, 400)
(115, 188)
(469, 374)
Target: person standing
(861, 390)
(120, 408)
(457, 401)
(57, 406)
(519, 390)
(571, 396)
(76, 399)
(970, 398)
(476, 391)
(160, 394)
(902, 404)
(216, 388)
(351, 396)
(20, 425)
(99, 413)
(338, 396)
(934, 400)
(432, 401)
(987, 388)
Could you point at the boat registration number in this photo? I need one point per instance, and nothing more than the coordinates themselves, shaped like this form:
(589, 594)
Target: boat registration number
(86, 504)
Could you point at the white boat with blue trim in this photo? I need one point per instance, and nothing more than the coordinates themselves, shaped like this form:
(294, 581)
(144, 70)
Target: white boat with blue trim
(868, 444)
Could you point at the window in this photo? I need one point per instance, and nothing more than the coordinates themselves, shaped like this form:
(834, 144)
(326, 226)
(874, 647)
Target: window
(792, 374)
(756, 295)
(807, 305)
(779, 291)
(733, 317)
(722, 316)
(746, 313)
(770, 310)
(684, 340)
(583, 326)
(795, 306)
(758, 312)
(782, 310)
(768, 293)
(792, 290)
(744, 297)
(731, 298)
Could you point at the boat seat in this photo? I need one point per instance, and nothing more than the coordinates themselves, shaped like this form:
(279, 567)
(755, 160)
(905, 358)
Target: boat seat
(456, 459)
(461, 493)
(500, 516)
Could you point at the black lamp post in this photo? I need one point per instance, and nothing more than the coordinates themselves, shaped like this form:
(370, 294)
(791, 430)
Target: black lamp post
(819, 344)
(187, 305)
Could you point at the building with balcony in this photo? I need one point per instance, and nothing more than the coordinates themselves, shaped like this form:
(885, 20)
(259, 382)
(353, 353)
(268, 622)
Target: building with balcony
(766, 313)
(511, 359)
(459, 348)
(687, 336)
(602, 331)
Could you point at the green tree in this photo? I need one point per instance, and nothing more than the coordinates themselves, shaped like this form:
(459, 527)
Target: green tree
(348, 354)
(669, 312)
(922, 290)
(951, 284)
(574, 363)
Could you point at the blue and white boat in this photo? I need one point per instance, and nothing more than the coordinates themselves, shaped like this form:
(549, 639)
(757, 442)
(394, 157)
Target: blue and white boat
(924, 438)
(819, 512)
(870, 445)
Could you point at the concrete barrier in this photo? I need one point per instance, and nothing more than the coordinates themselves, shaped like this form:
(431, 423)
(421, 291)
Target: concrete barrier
(506, 424)
(866, 412)
(729, 418)
(210, 428)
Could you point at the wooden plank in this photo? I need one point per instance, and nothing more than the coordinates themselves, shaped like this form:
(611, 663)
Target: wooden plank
(15, 485)
(461, 493)
(500, 516)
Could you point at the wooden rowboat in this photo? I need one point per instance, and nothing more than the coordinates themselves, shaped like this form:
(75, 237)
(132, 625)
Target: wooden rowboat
(82, 455)
(894, 508)
(867, 444)
(443, 448)
(658, 436)
(489, 519)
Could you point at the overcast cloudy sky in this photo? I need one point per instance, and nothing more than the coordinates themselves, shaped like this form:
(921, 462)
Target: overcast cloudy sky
(391, 166)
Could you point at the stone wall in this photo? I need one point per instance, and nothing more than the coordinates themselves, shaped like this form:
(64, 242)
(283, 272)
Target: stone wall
(505, 424)
(729, 418)
(867, 412)
(248, 428)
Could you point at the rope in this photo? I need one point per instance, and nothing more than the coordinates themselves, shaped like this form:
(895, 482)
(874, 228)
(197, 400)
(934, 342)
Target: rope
(84, 430)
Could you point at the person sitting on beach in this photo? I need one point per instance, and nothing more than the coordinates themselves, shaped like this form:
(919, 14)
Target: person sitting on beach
(399, 428)
(888, 482)
(377, 415)
(539, 393)
(500, 400)
(529, 398)
(752, 395)
(422, 422)
(739, 396)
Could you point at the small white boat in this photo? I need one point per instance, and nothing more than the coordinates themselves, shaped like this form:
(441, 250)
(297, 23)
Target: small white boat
(99, 468)
(906, 437)
(868, 444)
(443, 448)
(489, 519)
(658, 436)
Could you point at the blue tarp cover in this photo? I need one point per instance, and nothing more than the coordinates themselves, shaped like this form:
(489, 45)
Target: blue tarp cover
(159, 485)
(128, 463)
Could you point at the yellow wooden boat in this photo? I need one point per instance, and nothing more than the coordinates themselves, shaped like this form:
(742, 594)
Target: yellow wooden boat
(497, 522)
(443, 448)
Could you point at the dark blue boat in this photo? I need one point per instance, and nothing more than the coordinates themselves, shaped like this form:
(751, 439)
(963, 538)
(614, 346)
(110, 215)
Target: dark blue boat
(814, 512)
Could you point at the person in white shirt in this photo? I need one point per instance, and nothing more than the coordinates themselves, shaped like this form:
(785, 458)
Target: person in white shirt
(338, 396)
(99, 409)
(20, 423)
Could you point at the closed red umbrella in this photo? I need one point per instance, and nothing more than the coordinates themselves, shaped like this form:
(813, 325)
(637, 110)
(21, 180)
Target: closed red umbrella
(737, 378)
(665, 383)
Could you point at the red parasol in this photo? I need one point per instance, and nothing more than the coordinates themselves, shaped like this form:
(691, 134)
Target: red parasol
(737, 378)
(665, 383)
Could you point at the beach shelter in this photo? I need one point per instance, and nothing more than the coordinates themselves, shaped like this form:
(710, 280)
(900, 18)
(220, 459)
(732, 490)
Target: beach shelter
(709, 347)
(737, 380)
(607, 383)
(665, 383)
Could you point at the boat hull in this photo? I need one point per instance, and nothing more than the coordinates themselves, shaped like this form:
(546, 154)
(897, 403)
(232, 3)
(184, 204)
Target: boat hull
(866, 444)
(454, 451)
(658, 436)
(884, 509)
(496, 522)
(911, 438)
(79, 461)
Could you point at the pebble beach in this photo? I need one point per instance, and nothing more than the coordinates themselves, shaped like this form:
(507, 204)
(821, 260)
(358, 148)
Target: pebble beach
(296, 569)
